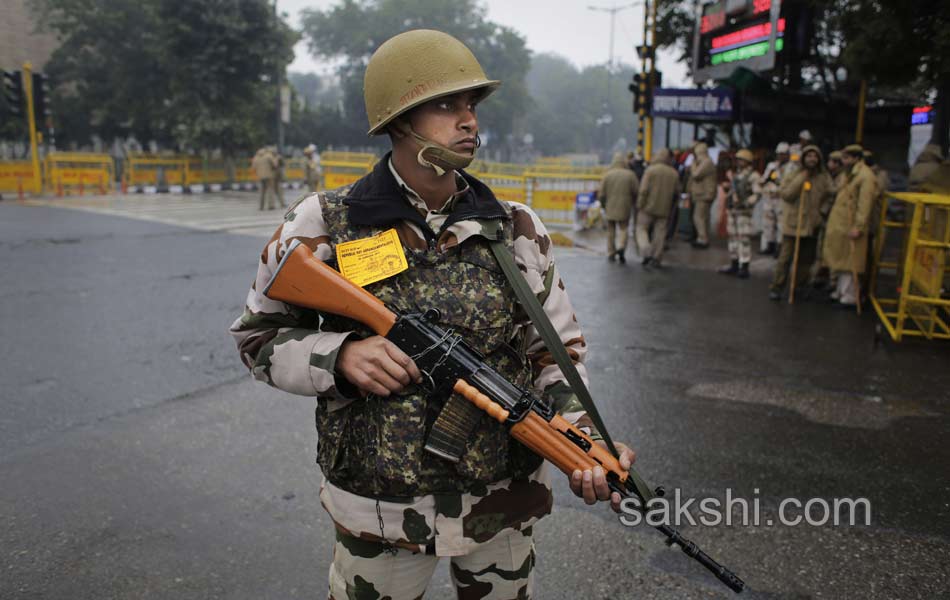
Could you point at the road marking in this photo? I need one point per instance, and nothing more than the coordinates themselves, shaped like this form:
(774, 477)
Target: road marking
(231, 212)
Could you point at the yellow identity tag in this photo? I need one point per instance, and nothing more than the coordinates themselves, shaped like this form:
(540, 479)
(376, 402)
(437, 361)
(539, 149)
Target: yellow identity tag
(371, 259)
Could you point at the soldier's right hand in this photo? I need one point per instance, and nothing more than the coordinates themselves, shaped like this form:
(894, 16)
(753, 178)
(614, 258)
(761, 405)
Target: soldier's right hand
(376, 366)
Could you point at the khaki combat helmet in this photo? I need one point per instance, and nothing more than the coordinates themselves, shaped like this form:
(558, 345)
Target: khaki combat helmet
(745, 155)
(415, 67)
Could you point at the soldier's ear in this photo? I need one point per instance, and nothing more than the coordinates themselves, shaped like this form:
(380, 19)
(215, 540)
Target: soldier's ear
(397, 128)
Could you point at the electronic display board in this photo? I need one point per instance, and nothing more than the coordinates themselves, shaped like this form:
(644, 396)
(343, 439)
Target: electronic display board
(736, 33)
(922, 115)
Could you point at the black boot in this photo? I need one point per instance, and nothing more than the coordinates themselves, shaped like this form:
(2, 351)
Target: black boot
(621, 257)
(730, 269)
(743, 271)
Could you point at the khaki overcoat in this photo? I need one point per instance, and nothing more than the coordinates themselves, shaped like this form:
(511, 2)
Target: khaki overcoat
(264, 164)
(820, 195)
(702, 176)
(852, 210)
(660, 186)
(618, 188)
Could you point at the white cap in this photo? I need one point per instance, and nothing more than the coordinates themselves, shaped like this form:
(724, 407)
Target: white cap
(310, 149)
(782, 148)
(804, 134)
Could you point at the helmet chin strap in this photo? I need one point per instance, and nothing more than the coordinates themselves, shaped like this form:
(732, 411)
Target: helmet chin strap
(436, 156)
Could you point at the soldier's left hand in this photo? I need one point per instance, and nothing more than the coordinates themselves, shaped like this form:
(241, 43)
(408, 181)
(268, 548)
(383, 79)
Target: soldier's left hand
(591, 485)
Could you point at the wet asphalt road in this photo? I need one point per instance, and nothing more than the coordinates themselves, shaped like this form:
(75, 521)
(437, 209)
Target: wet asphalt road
(138, 460)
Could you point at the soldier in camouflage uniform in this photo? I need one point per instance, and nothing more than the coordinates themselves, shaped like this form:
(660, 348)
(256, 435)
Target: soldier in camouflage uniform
(397, 508)
(742, 193)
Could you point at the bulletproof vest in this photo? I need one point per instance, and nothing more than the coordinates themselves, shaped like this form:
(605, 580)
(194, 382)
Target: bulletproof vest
(375, 446)
(742, 189)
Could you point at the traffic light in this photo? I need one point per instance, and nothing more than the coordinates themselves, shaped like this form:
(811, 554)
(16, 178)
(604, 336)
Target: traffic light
(41, 107)
(13, 92)
(639, 90)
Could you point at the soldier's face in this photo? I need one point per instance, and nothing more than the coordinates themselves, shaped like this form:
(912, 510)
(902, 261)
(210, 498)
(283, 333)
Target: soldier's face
(834, 165)
(810, 160)
(783, 157)
(449, 121)
(848, 160)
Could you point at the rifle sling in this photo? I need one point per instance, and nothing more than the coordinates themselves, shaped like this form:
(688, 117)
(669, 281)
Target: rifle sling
(552, 340)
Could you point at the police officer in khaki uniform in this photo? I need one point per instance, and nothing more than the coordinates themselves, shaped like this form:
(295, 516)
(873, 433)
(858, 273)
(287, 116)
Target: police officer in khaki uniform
(617, 192)
(836, 169)
(396, 508)
(702, 192)
(822, 276)
(660, 187)
(312, 170)
(265, 167)
(805, 194)
(846, 237)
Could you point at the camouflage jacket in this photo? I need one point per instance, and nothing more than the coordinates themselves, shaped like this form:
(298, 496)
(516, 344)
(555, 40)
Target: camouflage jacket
(293, 350)
(745, 191)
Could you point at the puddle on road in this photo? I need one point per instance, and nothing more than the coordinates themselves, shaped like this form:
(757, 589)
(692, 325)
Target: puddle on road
(821, 406)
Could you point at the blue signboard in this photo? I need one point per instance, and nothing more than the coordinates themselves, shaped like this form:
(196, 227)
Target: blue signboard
(692, 104)
(583, 200)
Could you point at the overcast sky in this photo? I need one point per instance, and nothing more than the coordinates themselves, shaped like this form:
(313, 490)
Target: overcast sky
(565, 27)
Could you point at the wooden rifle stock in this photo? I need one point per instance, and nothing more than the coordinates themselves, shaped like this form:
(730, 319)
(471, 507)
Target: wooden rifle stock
(302, 279)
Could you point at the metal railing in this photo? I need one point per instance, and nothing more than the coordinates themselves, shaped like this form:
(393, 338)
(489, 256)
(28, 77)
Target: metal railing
(909, 291)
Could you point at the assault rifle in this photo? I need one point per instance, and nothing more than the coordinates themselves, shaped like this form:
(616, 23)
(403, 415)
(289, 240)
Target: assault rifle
(444, 358)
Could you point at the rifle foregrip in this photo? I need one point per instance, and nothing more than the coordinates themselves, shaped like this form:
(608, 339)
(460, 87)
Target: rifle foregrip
(482, 401)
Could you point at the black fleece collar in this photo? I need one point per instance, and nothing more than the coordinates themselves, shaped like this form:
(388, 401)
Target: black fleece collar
(377, 200)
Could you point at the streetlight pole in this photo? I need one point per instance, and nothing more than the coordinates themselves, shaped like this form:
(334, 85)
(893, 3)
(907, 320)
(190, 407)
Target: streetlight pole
(613, 10)
(279, 102)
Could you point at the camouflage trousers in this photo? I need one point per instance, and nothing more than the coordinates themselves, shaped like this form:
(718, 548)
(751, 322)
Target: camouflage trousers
(771, 221)
(739, 226)
(499, 569)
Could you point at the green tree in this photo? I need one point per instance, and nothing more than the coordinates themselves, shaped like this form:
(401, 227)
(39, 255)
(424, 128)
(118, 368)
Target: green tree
(353, 29)
(897, 43)
(567, 104)
(195, 74)
(900, 47)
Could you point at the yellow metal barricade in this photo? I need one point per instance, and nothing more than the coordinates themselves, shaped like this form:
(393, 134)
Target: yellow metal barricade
(16, 176)
(154, 171)
(505, 186)
(909, 291)
(552, 190)
(343, 168)
(295, 169)
(69, 173)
